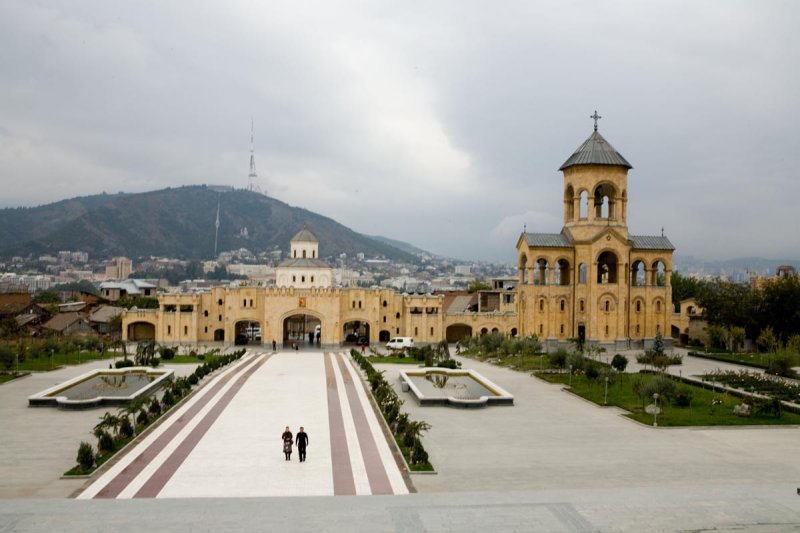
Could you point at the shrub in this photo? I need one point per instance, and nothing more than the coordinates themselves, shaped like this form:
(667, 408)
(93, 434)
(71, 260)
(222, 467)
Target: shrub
(85, 456)
(660, 384)
(155, 407)
(168, 399)
(155, 361)
(167, 353)
(577, 362)
(125, 428)
(558, 358)
(409, 438)
(418, 454)
(592, 371)
(683, 397)
(105, 443)
(782, 363)
(450, 363)
(125, 363)
(142, 418)
(193, 379)
(619, 363)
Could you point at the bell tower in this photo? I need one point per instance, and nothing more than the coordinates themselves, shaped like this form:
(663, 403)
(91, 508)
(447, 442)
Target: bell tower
(595, 188)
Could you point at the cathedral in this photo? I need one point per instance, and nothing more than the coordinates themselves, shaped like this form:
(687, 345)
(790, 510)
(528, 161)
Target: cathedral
(592, 280)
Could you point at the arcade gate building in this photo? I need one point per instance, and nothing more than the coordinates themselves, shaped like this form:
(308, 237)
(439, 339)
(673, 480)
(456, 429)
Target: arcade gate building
(592, 280)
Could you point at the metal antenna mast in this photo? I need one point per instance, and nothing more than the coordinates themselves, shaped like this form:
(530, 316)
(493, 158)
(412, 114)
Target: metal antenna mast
(216, 230)
(252, 178)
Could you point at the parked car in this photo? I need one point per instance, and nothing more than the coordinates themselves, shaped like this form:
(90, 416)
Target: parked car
(400, 343)
(363, 341)
(351, 337)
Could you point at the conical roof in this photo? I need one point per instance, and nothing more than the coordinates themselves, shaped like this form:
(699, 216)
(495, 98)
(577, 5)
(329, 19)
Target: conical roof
(596, 151)
(304, 236)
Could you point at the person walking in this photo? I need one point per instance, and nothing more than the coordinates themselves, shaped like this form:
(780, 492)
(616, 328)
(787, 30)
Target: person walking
(287, 443)
(302, 443)
(274, 345)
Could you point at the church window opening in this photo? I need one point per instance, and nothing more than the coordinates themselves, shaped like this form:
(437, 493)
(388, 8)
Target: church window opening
(541, 305)
(584, 205)
(431, 332)
(385, 303)
(294, 278)
(219, 302)
(562, 272)
(659, 274)
(169, 330)
(638, 307)
(524, 278)
(205, 329)
(251, 302)
(608, 305)
(607, 268)
(397, 331)
(569, 204)
(244, 303)
(581, 305)
(416, 331)
(304, 254)
(312, 279)
(637, 329)
(353, 305)
(302, 279)
(359, 304)
(563, 304)
(294, 253)
(606, 331)
(638, 274)
(562, 329)
(384, 318)
(541, 329)
(397, 315)
(658, 306)
(220, 318)
(604, 196)
(582, 273)
(185, 330)
(313, 254)
(205, 313)
(541, 272)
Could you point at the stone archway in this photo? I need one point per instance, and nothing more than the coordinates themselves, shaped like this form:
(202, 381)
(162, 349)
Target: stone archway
(141, 331)
(457, 332)
(355, 332)
(301, 329)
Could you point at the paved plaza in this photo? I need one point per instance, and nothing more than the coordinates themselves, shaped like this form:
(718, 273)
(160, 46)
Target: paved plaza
(551, 462)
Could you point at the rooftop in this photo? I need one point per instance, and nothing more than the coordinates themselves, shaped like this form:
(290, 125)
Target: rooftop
(596, 151)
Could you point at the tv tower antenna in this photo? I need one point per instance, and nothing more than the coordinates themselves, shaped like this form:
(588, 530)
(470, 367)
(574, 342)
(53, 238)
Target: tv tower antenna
(216, 230)
(252, 177)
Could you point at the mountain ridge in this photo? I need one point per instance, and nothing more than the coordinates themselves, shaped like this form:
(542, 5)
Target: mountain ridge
(175, 222)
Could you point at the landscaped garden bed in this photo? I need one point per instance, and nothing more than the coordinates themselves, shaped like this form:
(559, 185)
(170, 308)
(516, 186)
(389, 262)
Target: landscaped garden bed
(682, 404)
(115, 431)
(758, 383)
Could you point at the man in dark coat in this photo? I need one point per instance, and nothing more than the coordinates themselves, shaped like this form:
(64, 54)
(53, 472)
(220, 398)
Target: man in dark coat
(302, 442)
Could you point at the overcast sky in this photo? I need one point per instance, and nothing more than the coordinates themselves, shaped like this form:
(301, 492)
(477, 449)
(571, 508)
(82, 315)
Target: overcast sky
(441, 123)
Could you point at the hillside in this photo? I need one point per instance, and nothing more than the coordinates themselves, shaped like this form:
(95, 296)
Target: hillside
(174, 222)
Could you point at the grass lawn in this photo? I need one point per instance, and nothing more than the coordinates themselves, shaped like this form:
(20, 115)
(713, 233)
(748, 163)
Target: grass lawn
(523, 363)
(700, 413)
(186, 360)
(395, 360)
(42, 364)
(758, 360)
(5, 378)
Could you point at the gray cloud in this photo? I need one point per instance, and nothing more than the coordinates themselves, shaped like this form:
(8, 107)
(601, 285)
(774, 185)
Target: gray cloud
(441, 124)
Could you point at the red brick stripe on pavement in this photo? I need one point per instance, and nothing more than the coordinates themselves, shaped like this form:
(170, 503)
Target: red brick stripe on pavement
(376, 472)
(343, 481)
(130, 472)
(160, 477)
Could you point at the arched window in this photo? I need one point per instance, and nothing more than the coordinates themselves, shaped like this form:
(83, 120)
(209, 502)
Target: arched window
(604, 199)
(302, 279)
(581, 305)
(219, 302)
(397, 315)
(312, 279)
(658, 306)
(294, 253)
(638, 306)
(562, 304)
(607, 268)
(542, 272)
(313, 254)
(659, 274)
(205, 313)
(569, 204)
(638, 274)
(562, 272)
(584, 207)
(385, 303)
(608, 305)
(541, 305)
(523, 269)
(582, 273)
(384, 318)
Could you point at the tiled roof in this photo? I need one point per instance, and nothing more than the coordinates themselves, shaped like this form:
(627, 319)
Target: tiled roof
(547, 240)
(596, 151)
(304, 236)
(303, 262)
(651, 242)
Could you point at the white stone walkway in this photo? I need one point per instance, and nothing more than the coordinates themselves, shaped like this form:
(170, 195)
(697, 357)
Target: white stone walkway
(225, 441)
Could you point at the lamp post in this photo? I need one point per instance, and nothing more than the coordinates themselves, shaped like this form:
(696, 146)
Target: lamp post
(50, 367)
(655, 411)
(570, 375)
(605, 398)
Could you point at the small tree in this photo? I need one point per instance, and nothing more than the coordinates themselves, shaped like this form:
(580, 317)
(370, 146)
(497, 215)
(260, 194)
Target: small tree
(418, 454)
(85, 456)
(737, 336)
(767, 340)
(619, 363)
(658, 345)
(716, 336)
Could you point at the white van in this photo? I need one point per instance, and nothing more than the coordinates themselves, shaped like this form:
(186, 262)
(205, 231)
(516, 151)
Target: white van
(400, 343)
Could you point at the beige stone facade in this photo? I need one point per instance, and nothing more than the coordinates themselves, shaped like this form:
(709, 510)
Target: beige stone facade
(591, 280)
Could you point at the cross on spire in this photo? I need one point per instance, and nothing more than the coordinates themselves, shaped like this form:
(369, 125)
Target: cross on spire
(596, 117)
